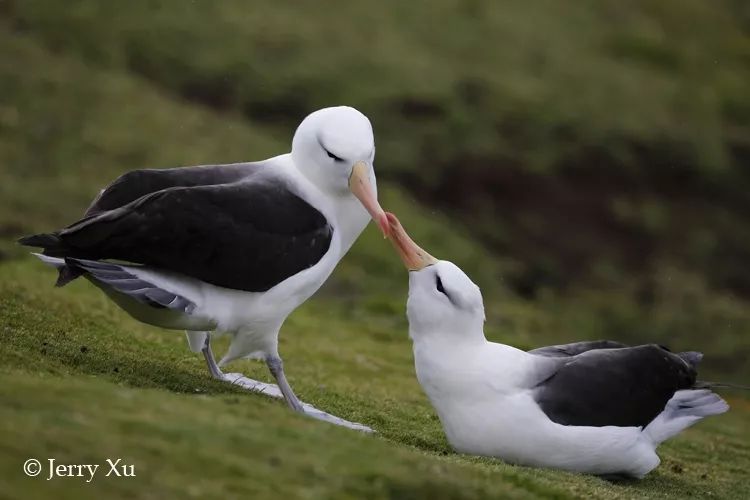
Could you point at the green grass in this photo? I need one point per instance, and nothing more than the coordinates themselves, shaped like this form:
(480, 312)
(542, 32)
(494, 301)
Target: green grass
(66, 129)
(81, 382)
(86, 95)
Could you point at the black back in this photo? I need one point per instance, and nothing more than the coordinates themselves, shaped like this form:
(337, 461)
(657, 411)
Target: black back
(137, 183)
(624, 387)
(248, 235)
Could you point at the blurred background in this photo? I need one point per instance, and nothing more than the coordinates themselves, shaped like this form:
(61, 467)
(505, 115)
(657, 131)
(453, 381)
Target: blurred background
(587, 163)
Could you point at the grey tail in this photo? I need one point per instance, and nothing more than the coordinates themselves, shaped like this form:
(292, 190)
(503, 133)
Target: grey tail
(684, 409)
(53, 246)
(65, 273)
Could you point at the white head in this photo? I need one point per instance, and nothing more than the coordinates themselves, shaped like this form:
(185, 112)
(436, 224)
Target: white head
(443, 301)
(335, 149)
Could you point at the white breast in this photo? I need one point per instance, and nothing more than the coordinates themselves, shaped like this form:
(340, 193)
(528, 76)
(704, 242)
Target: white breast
(485, 409)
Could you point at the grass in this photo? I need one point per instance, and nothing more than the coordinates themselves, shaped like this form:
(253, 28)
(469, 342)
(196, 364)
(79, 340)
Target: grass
(83, 101)
(626, 126)
(82, 382)
(69, 128)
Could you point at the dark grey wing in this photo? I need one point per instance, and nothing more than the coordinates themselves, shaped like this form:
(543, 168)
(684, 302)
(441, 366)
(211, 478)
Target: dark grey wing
(622, 387)
(138, 183)
(248, 235)
(565, 350)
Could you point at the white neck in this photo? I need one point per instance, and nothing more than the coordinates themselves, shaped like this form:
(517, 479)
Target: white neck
(344, 210)
(352, 219)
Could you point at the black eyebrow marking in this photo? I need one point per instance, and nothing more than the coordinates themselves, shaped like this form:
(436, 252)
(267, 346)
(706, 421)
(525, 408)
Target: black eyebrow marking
(328, 152)
(333, 156)
(441, 289)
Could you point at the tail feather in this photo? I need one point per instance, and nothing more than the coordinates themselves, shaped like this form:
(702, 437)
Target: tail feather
(683, 410)
(55, 262)
(692, 358)
(65, 273)
(68, 273)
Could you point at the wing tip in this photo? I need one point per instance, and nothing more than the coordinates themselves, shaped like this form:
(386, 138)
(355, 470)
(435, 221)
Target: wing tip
(41, 240)
(692, 358)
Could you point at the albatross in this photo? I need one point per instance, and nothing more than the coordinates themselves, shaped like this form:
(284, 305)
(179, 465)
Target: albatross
(593, 407)
(233, 248)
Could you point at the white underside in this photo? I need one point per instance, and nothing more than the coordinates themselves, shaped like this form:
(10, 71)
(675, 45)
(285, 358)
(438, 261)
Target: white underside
(515, 429)
(252, 319)
(482, 394)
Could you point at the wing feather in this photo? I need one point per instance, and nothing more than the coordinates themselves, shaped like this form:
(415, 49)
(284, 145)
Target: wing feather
(247, 235)
(614, 386)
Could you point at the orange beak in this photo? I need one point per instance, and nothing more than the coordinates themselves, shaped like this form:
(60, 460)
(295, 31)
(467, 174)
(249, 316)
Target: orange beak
(361, 187)
(413, 257)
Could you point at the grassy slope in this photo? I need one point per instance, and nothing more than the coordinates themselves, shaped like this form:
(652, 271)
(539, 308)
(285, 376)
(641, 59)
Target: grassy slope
(81, 382)
(642, 166)
(138, 393)
(654, 66)
(627, 126)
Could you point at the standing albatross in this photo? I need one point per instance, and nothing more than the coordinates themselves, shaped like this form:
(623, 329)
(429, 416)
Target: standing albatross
(229, 248)
(594, 407)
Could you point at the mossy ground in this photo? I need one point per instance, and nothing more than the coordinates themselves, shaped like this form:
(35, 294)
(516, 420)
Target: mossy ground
(81, 382)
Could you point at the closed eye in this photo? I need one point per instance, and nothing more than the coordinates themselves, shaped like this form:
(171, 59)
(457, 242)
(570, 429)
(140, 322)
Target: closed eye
(332, 156)
(440, 288)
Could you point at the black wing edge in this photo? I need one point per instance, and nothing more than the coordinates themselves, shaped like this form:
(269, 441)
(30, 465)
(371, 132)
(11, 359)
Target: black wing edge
(598, 387)
(129, 187)
(53, 247)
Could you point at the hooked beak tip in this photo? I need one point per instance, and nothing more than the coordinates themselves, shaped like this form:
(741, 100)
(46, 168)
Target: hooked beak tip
(413, 257)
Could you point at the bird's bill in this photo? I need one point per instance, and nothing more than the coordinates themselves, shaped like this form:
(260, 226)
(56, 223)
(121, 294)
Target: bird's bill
(360, 185)
(413, 257)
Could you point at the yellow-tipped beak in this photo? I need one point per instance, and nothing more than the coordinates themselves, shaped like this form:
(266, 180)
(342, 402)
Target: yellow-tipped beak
(361, 187)
(413, 257)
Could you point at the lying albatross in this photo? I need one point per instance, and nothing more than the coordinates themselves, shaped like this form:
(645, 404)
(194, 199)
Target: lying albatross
(229, 248)
(594, 407)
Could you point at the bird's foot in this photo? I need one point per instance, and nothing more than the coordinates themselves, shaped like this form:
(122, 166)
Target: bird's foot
(307, 409)
(253, 385)
(313, 412)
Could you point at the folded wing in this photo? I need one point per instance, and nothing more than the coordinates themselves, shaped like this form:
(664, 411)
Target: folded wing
(247, 235)
(137, 183)
(615, 386)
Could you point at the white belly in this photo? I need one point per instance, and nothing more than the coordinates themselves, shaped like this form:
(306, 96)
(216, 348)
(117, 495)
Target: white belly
(254, 318)
(478, 420)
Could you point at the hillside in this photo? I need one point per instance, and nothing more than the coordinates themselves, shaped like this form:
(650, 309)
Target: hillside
(593, 187)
